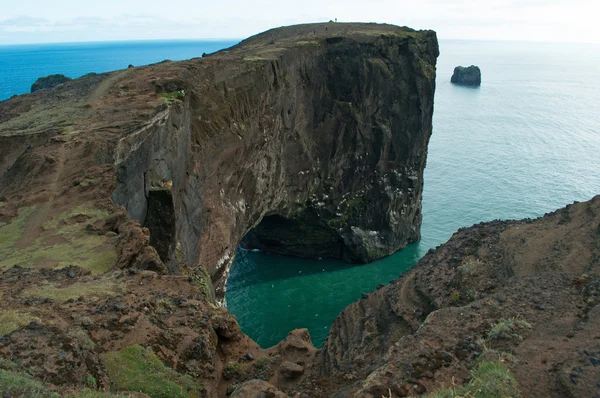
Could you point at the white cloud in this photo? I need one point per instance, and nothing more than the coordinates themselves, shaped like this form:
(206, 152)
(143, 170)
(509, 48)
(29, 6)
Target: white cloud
(71, 20)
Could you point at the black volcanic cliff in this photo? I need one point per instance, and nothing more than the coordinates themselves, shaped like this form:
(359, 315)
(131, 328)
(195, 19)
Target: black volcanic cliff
(317, 147)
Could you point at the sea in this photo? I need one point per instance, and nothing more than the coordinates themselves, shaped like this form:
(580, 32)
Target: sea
(524, 143)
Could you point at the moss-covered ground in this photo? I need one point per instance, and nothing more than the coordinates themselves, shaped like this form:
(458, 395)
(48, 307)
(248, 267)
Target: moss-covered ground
(63, 241)
(136, 368)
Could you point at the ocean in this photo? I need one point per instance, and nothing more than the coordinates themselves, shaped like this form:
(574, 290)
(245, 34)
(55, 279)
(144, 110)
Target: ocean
(526, 142)
(21, 65)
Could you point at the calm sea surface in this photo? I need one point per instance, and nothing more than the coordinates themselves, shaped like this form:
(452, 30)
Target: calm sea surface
(524, 143)
(21, 65)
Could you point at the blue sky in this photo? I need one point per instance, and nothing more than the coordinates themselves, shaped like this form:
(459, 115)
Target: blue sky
(38, 21)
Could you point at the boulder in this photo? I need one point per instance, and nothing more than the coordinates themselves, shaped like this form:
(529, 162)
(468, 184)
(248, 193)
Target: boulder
(291, 370)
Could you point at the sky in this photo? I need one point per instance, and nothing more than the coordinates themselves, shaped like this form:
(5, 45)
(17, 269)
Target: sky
(43, 21)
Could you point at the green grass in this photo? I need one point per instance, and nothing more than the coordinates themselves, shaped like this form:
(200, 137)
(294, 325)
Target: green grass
(16, 384)
(508, 329)
(455, 297)
(490, 379)
(173, 96)
(138, 369)
(13, 320)
(11, 232)
(76, 246)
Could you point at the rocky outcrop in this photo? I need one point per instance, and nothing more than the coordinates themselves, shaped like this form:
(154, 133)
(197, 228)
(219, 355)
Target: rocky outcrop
(466, 76)
(50, 81)
(525, 292)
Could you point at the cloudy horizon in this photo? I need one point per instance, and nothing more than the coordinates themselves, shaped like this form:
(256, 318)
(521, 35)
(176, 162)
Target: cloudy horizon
(34, 21)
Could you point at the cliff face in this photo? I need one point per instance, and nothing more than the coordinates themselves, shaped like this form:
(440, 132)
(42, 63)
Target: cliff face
(299, 143)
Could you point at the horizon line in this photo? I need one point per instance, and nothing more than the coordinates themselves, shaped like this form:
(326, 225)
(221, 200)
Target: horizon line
(231, 39)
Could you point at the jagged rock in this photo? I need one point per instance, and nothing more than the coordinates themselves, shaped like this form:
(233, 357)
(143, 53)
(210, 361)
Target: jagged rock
(467, 76)
(48, 82)
(226, 326)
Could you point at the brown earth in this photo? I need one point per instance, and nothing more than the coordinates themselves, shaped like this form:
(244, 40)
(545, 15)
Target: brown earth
(124, 195)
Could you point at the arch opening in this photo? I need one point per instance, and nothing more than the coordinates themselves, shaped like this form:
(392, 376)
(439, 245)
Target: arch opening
(304, 236)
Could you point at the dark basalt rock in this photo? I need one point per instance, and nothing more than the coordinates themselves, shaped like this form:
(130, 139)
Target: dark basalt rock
(467, 76)
(48, 82)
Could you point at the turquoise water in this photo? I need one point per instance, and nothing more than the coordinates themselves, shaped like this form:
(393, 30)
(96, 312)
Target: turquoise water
(526, 142)
(21, 65)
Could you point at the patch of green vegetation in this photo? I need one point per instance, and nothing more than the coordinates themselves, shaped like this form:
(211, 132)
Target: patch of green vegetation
(11, 232)
(12, 320)
(136, 368)
(90, 213)
(471, 295)
(202, 280)
(73, 244)
(163, 305)
(490, 379)
(18, 384)
(101, 287)
(236, 370)
(172, 96)
(91, 382)
(454, 297)
(508, 329)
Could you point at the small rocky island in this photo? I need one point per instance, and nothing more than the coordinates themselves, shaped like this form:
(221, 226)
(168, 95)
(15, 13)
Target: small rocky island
(467, 76)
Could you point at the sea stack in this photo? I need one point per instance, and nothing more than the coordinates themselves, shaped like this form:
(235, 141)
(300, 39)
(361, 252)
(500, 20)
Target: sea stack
(467, 76)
